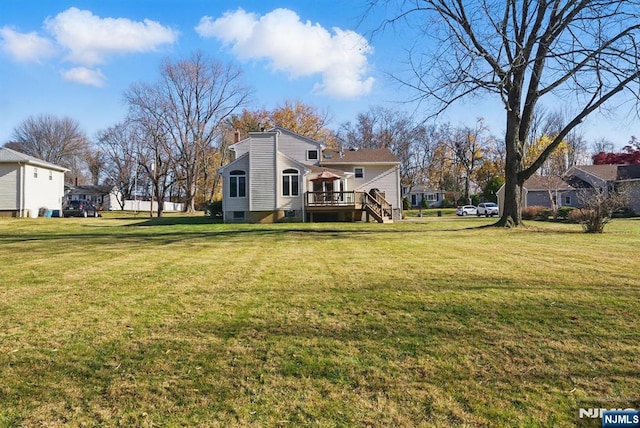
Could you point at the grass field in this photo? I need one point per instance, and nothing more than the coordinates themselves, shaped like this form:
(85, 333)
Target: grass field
(432, 322)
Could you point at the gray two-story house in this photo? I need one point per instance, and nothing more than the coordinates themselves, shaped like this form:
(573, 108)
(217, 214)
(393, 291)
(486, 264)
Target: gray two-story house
(278, 175)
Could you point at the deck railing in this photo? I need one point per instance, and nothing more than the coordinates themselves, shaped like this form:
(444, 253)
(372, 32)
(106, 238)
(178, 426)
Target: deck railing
(330, 199)
(377, 205)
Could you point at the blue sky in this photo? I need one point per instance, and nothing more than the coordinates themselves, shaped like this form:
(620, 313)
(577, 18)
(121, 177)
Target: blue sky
(76, 58)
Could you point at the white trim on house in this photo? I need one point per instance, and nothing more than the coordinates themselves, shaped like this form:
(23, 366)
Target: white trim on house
(265, 156)
(28, 184)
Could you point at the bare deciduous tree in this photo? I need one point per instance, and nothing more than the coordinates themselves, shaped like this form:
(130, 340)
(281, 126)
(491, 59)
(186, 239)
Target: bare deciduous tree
(96, 163)
(525, 51)
(188, 103)
(118, 146)
(422, 153)
(597, 207)
(60, 141)
(467, 147)
(381, 127)
(156, 158)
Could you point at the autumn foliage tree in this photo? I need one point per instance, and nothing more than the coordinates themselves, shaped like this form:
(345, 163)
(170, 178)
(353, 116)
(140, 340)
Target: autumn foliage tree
(630, 154)
(304, 119)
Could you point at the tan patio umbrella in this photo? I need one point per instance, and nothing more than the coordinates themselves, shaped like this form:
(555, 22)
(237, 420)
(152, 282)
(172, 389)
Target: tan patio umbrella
(326, 176)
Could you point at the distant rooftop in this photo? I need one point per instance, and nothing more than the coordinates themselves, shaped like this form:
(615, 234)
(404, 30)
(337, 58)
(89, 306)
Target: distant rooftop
(333, 156)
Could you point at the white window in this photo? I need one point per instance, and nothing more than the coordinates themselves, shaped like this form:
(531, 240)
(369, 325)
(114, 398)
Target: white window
(432, 197)
(312, 155)
(290, 182)
(414, 200)
(237, 184)
(359, 172)
(567, 200)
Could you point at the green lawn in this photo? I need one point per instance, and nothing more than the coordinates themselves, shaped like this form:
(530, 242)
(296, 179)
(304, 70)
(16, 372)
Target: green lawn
(439, 322)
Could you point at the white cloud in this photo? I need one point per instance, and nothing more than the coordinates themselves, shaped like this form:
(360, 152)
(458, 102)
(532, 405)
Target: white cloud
(84, 76)
(90, 39)
(27, 47)
(296, 48)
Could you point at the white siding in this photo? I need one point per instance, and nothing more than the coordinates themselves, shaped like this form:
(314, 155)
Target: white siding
(236, 204)
(383, 177)
(43, 191)
(289, 202)
(262, 173)
(241, 147)
(296, 148)
(9, 187)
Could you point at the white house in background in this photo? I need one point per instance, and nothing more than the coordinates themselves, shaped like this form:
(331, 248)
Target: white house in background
(106, 198)
(28, 184)
(278, 175)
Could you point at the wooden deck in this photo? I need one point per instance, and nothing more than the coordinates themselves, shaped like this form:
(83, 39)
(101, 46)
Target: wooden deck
(322, 201)
(348, 206)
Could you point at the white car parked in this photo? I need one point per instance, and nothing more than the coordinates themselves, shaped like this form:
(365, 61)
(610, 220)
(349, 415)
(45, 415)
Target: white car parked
(466, 210)
(487, 209)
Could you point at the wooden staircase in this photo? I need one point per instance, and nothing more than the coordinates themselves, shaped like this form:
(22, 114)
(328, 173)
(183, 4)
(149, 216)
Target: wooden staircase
(376, 206)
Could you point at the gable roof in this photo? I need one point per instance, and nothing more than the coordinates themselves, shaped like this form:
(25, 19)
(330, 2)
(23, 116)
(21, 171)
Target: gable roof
(603, 172)
(423, 188)
(296, 135)
(361, 156)
(232, 163)
(539, 182)
(11, 156)
(275, 130)
(90, 189)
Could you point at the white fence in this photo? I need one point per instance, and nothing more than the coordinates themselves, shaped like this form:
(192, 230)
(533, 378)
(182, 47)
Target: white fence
(131, 205)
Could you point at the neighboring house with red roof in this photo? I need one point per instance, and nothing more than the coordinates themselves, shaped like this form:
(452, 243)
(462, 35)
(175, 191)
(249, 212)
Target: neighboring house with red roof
(29, 186)
(278, 175)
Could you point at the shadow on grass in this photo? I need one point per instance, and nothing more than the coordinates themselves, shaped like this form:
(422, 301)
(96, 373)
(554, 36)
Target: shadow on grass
(149, 234)
(177, 221)
(155, 231)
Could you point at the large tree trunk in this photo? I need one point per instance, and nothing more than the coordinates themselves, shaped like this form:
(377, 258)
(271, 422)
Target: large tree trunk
(190, 196)
(160, 203)
(511, 210)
